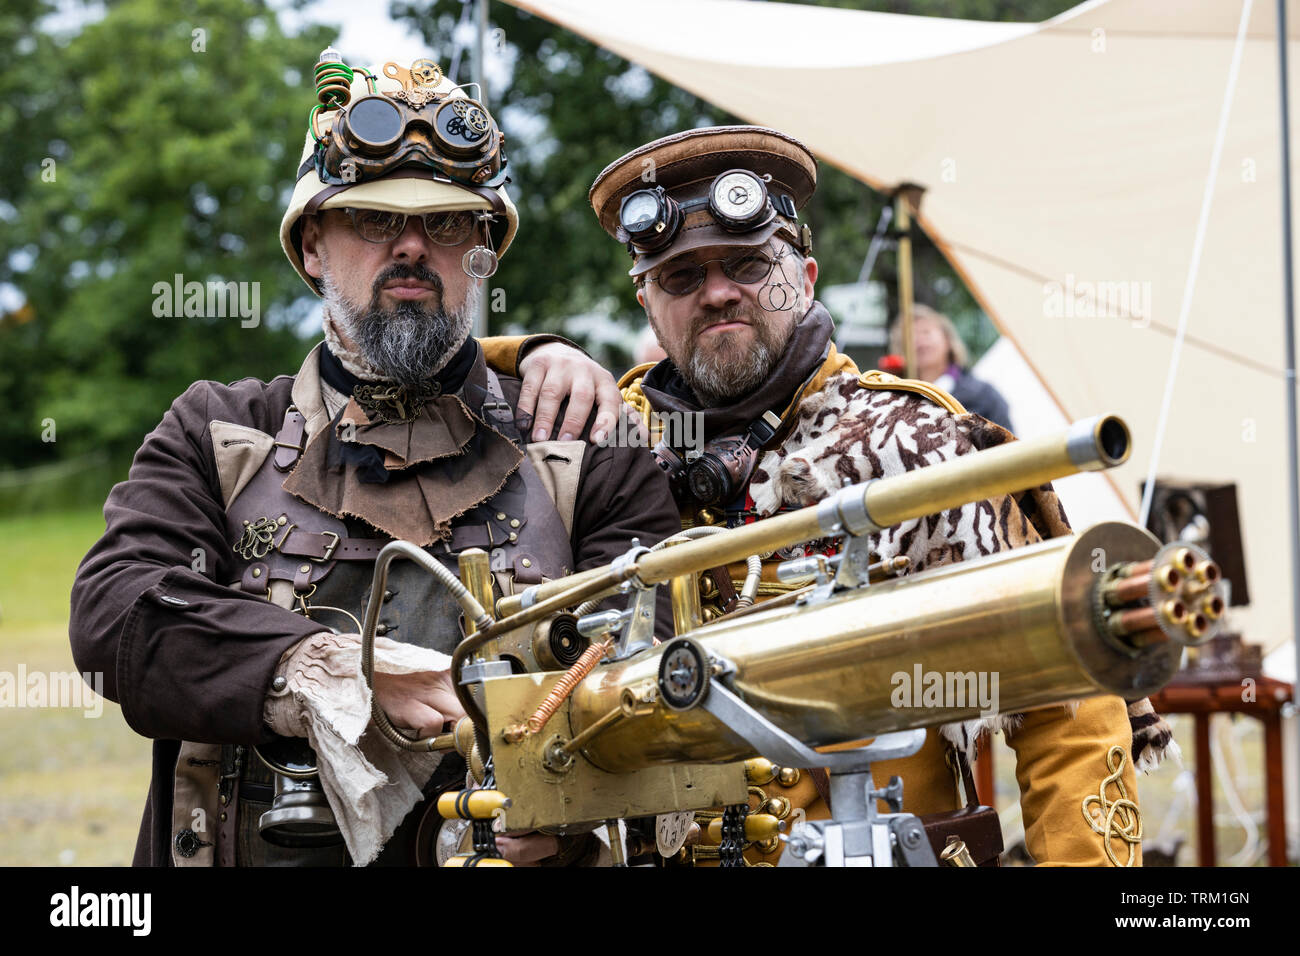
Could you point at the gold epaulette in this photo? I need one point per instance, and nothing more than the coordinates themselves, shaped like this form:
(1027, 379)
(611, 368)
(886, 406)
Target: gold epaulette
(877, 379)
(632, 377)
(630, 386)
(633, 395)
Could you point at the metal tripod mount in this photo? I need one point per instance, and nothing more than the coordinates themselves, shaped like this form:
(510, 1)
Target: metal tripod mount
(857, 833)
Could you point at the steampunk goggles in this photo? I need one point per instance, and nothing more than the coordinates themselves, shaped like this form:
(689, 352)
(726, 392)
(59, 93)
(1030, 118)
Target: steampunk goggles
(738, 200)
(715, 475)
(376, 134)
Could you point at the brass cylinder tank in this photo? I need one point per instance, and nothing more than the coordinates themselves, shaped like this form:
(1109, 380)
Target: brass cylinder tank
(847, 668)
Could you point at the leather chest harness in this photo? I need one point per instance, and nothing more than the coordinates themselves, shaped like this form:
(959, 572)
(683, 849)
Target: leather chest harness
(329, 563)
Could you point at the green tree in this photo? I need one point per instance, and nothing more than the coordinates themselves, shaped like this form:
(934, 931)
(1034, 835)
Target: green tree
(28, 112)
(176, 130)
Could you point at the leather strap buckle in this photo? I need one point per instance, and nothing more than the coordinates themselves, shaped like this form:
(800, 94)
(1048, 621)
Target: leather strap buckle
(330, 548)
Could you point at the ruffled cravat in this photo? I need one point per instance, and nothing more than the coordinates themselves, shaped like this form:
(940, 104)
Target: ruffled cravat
(407, 460)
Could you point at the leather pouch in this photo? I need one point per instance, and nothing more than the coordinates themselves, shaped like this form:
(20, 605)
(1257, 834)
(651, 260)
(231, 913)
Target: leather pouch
(976, 826)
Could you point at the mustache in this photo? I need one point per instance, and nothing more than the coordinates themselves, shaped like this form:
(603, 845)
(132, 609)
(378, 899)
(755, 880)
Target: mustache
(402, 270)
(729, 314)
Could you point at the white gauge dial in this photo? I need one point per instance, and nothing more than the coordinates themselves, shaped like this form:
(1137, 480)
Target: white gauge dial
(671, 830)
(640, 211)
(738, 195)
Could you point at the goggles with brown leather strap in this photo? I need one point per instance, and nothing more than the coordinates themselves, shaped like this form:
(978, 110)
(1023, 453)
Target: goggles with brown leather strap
(377, 133)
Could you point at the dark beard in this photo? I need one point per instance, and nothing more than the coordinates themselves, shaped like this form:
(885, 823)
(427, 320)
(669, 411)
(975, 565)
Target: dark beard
(410, 342)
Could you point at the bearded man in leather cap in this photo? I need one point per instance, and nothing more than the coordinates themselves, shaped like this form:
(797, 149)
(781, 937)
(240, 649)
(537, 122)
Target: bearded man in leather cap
(724, 270)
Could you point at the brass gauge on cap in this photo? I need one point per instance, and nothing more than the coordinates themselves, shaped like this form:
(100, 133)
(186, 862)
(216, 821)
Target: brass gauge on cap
(650, 218)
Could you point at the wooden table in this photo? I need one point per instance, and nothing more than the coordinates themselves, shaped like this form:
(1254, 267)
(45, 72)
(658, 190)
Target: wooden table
(1202, 697)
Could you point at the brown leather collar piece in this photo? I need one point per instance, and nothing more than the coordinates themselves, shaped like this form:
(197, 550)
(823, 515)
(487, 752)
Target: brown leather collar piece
(440, 465)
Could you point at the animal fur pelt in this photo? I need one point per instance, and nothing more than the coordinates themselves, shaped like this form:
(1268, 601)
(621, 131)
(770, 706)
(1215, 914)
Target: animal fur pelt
(850, 433)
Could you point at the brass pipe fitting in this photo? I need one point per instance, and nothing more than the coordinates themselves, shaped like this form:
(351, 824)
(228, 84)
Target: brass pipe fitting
(476, 574)
(956, 854)
(758, 826)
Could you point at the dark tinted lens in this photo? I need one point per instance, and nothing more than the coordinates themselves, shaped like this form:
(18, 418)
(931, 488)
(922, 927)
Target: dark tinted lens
(375, 121)
(375, 225)
(449, 228)
(682, 280)
(747, 268)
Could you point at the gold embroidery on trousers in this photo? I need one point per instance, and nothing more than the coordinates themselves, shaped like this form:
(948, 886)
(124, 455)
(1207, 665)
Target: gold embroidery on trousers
(1115, 819)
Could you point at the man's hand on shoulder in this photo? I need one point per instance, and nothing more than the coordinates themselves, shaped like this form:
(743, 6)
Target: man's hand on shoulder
(553, 372)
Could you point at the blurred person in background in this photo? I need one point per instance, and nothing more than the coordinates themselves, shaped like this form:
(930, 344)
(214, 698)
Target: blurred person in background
(941, 358)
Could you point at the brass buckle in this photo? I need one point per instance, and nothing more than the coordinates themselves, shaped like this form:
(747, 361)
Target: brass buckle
(329, 552)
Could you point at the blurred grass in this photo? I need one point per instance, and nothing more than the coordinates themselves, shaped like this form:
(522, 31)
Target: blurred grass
(72, 788)
(70, 485)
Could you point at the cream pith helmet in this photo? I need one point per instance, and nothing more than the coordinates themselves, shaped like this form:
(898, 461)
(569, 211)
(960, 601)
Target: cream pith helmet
(391, 193)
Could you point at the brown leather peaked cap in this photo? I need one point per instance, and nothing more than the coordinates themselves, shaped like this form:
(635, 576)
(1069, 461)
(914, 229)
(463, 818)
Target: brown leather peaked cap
(686, 163)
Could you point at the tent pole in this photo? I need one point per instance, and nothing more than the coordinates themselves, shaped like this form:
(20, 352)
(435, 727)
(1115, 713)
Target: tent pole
(480, 77)
(903, 215)
(907, 203)
(1293, 463)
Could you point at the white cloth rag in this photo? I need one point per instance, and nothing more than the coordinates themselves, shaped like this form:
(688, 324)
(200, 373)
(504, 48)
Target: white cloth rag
(371, 785)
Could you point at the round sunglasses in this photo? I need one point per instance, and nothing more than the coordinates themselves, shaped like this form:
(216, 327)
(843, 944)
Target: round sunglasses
(745, 267)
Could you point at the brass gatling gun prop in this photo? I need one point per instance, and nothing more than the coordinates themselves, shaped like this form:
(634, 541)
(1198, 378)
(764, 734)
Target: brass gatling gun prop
(580, 718)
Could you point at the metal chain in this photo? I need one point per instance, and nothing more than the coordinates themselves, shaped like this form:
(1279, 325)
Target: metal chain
(485, 840)
(731, 850)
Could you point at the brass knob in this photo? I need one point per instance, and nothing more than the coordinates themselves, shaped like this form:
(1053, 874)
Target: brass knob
(779, 807)
(956, 854)
(758, 826)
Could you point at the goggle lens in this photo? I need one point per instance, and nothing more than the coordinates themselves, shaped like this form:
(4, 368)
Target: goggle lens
(375, 121)
(746, 268)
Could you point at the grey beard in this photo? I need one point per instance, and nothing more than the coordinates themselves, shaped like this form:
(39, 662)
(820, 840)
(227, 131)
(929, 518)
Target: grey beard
(717, 378)
(724, 375)
(410, 342)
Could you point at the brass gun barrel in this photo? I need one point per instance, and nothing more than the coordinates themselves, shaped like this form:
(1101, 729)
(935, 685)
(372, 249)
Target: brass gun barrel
(1087, 445)
(1009, 632)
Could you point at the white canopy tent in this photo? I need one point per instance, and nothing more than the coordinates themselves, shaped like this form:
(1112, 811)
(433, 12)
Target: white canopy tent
(1064, 167)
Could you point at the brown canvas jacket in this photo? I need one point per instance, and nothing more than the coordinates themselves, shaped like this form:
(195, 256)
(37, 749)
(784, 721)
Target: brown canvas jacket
(190, 659)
